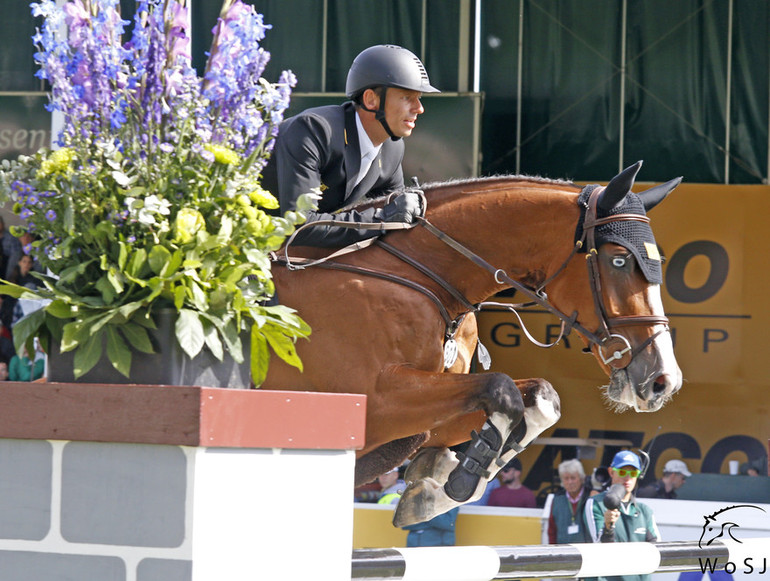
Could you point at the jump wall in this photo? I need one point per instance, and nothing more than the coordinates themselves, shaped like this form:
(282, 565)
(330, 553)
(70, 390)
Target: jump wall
(162, 483)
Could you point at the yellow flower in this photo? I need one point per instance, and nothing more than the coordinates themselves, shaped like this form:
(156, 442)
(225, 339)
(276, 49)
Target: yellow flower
(222, 154)
(260, 224)
(188, 223)
(58, 162)
(264, 198)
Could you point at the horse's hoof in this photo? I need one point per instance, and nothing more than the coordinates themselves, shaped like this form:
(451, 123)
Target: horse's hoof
(436, 463)
(422, 500)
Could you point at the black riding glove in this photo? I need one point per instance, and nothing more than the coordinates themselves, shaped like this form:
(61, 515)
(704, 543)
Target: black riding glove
(405, 207)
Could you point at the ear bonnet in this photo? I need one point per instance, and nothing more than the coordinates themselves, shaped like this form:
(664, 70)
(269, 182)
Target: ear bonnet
(633, 235)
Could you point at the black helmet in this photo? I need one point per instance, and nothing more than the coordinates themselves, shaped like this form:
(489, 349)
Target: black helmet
(387, 65)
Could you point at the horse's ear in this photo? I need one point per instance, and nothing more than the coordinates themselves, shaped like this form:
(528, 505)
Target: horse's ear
(654, 196)
(618, 187)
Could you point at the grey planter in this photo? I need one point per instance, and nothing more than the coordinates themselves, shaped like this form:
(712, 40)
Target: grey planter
(169, 365)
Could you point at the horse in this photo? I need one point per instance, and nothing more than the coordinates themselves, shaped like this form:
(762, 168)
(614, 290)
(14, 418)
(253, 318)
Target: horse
(396, 321)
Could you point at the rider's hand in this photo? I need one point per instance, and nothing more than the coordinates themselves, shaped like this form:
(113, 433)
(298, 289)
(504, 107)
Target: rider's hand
(405, 207)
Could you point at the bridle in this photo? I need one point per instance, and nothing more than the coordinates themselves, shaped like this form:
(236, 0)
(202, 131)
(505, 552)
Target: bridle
(614, 349)
(620, 351)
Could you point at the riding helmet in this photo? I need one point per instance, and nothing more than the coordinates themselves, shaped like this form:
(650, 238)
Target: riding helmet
(387, 65)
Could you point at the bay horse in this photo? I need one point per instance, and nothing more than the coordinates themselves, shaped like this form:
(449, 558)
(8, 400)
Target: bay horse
(396, 321)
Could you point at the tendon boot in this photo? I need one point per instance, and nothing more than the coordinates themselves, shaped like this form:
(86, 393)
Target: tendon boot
(475, 463)
(512, 442)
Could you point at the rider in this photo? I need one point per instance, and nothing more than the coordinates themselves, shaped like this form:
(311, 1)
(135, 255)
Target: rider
(353, 150)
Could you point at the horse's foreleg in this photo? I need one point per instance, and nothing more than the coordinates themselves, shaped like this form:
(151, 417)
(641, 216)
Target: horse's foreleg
(440, 481)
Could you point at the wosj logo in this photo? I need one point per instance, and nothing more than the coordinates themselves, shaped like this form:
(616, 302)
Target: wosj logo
(723, 525)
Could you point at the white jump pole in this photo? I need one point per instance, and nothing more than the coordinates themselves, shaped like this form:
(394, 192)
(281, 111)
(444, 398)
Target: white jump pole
(575, 560)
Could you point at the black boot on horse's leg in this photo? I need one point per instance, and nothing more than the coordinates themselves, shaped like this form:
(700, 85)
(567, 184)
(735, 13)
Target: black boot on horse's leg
(474, 463)
(425, 498)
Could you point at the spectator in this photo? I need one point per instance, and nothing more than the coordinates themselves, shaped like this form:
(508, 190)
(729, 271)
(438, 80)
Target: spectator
(392, 487)
(566, 523)
(23, 368)
(675, 473)
(11, 251)
(437, 532)
(26, 239)
(3, 370)
(511, 491)
(7, 350)
(22, 273)
(631, 521)
(756, 467)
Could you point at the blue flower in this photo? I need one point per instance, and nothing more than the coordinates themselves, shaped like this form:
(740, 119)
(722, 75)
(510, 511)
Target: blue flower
(50, 215)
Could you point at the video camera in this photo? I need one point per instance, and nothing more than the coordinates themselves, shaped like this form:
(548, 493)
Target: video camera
(598, 480)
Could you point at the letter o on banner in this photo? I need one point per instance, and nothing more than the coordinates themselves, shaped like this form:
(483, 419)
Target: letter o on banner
(720, 264)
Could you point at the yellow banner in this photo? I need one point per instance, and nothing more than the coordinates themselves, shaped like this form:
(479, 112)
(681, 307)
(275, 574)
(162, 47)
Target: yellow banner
(716, 293)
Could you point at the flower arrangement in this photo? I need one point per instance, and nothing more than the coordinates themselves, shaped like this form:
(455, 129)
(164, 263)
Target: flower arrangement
(153, 198)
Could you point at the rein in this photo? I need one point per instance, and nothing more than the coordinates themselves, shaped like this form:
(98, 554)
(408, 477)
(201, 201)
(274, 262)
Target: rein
(614, 349)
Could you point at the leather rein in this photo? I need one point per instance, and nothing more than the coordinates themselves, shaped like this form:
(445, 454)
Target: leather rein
(614, 349)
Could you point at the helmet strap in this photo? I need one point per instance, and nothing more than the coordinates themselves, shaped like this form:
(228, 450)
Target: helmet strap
(379, 114)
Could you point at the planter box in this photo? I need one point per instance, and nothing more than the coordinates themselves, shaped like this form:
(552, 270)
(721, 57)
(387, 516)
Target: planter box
(169, 365)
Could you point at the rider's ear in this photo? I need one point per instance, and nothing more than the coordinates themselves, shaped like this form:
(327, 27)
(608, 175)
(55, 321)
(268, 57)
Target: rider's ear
(371, 99)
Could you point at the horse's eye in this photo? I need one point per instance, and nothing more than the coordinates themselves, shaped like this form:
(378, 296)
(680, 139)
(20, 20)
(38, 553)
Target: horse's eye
(618, 261)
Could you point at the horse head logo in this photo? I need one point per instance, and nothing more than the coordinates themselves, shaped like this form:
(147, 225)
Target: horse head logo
(720, 525)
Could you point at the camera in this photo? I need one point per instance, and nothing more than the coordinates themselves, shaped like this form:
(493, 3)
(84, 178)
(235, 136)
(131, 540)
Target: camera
(598, 481)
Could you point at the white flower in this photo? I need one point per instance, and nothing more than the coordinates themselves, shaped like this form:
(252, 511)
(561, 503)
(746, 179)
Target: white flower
(145, 210)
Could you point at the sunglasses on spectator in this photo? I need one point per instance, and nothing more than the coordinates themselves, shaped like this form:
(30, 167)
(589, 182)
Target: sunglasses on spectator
(623, 472)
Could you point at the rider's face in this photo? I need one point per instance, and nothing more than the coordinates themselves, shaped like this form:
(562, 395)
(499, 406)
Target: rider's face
(401, 110)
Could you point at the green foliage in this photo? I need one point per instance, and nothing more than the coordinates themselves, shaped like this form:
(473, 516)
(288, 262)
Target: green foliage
(153, 200)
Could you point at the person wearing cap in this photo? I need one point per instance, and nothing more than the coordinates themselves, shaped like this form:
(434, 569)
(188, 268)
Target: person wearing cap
(354, 150)
(511, 491)
(392, 487)
(675, 472)
(631, 521)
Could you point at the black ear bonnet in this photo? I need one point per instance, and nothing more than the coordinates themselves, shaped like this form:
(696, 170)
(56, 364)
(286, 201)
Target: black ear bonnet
(633, 235)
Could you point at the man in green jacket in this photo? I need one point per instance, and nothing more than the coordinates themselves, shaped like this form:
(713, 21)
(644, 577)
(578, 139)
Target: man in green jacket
(624, 520)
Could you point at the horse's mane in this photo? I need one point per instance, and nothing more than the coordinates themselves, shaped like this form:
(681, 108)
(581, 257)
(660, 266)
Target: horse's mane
(479, 184)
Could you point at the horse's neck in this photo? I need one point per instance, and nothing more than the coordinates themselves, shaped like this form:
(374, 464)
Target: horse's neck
(526, 232)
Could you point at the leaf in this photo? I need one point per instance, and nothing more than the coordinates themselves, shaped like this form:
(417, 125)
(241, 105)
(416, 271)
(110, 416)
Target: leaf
(179, 295)
(88, 354)
(189, 332)
(72, 334)
(199, 298)
(104, 286)
(118, 352)
(283, 346)
(138, 337)
(122, 255)
(173, 264)
(27, 327)
(137, 262)
(213, 342)
(159, 258)
(260, 357)
(11, 290)
(58, 309)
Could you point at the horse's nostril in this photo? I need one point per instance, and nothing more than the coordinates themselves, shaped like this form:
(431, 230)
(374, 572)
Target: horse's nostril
(660, 384)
